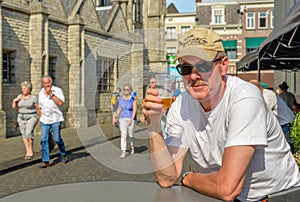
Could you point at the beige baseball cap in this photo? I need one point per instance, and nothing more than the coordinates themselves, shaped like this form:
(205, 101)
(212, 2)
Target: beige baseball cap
(199, 42)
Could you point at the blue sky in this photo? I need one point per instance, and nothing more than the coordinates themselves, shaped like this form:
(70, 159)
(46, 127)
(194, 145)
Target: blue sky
(188, 5)
(183, 5)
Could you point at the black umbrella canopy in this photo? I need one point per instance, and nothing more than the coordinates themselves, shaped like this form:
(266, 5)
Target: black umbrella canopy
(281, 50)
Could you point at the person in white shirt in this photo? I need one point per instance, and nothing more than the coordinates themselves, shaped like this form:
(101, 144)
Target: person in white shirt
(51, 99)
(281, 110)
(234, 139)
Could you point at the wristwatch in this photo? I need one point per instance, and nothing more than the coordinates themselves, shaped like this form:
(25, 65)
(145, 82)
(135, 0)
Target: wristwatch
(185, 174)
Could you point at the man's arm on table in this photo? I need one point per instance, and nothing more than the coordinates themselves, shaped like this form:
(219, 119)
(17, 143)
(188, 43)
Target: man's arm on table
(227, 183)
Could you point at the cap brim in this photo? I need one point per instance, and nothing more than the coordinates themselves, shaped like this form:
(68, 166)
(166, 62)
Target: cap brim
(207, 55)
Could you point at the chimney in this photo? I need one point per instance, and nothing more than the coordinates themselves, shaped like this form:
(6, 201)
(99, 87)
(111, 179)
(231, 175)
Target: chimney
(198, 1)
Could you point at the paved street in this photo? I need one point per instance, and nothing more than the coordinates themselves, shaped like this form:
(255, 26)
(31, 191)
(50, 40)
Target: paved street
(93, 157)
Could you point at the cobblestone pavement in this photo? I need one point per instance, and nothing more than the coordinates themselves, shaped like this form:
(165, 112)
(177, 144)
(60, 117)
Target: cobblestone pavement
(18, 175)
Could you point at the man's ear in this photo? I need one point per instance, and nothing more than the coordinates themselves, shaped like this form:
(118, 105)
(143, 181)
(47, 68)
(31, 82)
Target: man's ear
(224, 64)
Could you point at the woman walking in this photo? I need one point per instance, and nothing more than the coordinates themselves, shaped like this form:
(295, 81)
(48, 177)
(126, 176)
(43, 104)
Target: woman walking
(126, 114)
(27, 106)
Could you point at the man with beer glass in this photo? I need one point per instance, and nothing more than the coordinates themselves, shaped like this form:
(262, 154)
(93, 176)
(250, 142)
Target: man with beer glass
(233, 137)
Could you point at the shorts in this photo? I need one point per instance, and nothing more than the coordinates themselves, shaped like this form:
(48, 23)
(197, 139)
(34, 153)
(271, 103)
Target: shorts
(27, 123)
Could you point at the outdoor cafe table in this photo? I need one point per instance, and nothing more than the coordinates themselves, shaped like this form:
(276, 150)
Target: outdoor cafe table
(108, 191)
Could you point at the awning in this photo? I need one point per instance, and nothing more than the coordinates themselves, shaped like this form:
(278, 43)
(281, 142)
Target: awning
(254, 42)
(230, 44)
(281, 49)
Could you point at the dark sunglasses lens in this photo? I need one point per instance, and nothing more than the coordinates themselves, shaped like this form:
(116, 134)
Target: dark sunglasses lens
(184, 69)
(204, 67)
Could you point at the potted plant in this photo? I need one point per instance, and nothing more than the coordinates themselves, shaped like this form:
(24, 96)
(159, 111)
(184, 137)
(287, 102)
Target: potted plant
(295, 135)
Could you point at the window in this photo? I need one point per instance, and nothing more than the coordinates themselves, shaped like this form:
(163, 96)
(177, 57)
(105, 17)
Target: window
(52, 68)
(171, 33)
(103, 3)
(249, 50)
(262, 20)
(138, 14)
(231, 53)
(8, 72)
(104, 71)
(230, 47)
(171, 51)
(185, 29)
(272, 19)
(218, 15)
(253, 43)
(250, 24)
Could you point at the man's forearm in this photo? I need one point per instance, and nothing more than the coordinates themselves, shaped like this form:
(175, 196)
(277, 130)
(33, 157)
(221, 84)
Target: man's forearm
(162, 161)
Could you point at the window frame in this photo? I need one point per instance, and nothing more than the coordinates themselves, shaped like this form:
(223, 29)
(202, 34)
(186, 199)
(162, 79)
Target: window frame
(220, 15)
(105, 74)
(272, 18)
(52, 68)
(260, 18)
(231, 53)
(250, 20)
(184, 28)
(171, 51)
(8, 66)
(103, 3)
(171, 33)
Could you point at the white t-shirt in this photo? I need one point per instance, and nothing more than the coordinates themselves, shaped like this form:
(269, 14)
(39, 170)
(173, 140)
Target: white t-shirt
(51, 113)
(271, 100)
(284, 114)
(241, 118)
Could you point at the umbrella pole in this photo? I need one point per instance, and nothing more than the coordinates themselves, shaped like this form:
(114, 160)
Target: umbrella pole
(258, 69)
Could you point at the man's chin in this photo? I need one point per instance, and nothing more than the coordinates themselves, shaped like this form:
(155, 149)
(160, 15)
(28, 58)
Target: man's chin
(200, 96)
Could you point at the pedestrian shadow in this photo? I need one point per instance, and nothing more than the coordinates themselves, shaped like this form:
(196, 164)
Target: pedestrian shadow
(71, 157)
(140, 149)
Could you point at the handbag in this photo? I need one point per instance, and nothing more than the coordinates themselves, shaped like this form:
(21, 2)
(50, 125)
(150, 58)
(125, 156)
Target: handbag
(51, 141)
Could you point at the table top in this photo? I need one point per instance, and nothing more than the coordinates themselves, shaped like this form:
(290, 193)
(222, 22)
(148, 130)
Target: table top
(108, 191)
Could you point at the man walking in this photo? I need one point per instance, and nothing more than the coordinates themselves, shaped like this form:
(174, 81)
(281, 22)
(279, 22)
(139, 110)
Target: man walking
(51, 99)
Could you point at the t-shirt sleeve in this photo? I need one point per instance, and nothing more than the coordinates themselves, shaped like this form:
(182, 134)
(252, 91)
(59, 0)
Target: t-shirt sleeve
(59, 93)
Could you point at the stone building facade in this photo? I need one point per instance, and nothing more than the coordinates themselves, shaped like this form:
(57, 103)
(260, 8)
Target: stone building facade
(243, 26)
(87, 50)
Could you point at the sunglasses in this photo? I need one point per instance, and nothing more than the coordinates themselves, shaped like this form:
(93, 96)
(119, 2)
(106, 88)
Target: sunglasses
(126, 89)
(202, 67)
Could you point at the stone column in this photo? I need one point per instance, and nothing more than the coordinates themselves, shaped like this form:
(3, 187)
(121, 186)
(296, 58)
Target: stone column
(77, 113)
(138, 69)
(38, 44)
(2, 113)
(154, 37)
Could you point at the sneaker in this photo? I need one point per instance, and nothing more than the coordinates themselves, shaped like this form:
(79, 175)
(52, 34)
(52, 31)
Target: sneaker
(64, 159)
(45, 165)
(132, 150)
(123, 155)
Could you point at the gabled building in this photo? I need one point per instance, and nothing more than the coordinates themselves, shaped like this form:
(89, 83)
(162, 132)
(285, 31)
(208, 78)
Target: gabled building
(88, 48)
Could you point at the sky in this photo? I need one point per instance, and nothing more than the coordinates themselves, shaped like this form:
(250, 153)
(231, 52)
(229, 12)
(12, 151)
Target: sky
(184, 6)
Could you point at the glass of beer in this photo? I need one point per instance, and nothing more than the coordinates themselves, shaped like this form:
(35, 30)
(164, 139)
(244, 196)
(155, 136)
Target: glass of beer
(165, 84)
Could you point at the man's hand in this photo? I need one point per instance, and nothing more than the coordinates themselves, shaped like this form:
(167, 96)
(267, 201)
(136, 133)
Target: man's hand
(48, 91)
(152, 107)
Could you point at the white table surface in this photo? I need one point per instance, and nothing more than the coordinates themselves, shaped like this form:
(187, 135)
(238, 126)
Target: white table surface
(108, 191)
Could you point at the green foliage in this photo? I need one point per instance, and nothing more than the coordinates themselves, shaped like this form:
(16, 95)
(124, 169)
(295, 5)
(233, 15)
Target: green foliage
(295, 133)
